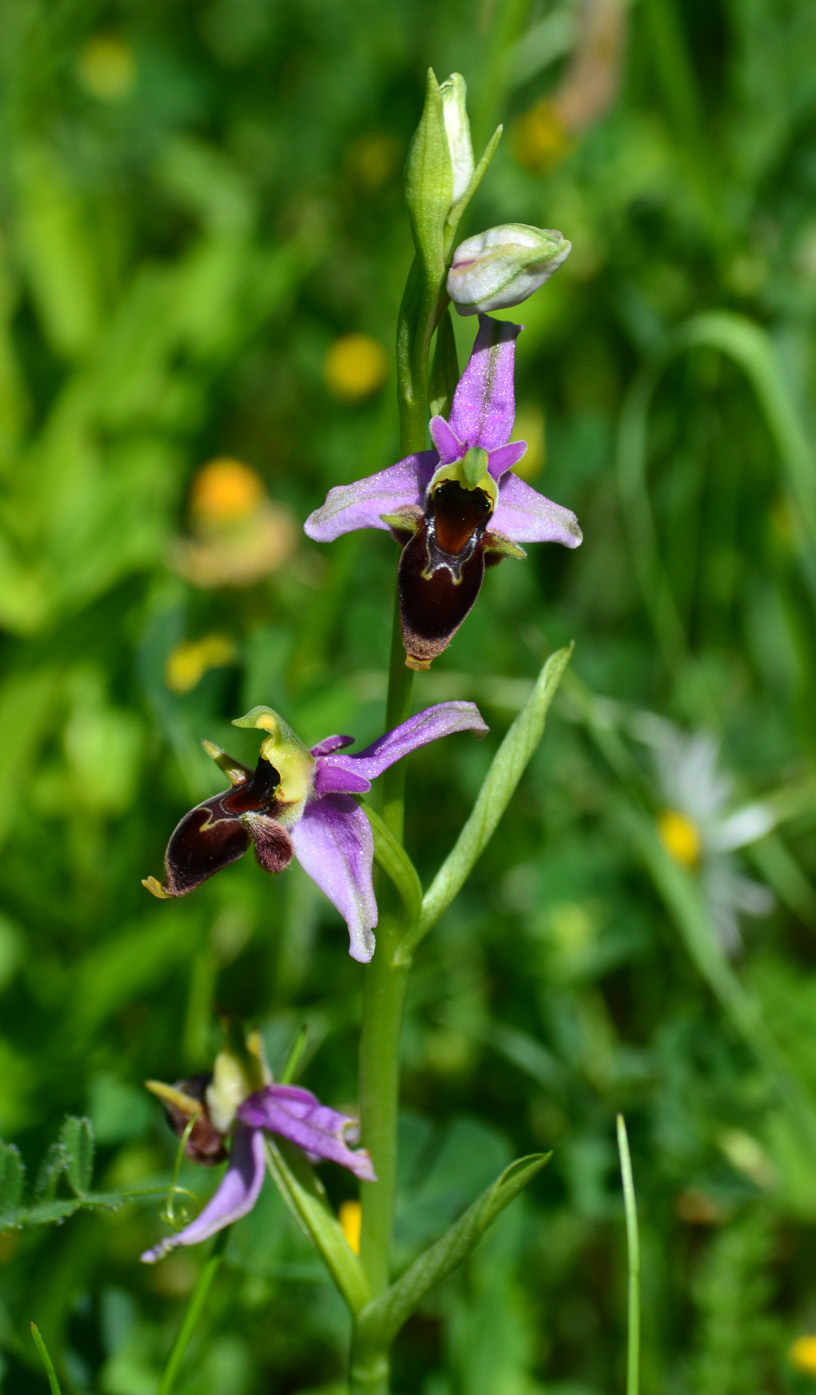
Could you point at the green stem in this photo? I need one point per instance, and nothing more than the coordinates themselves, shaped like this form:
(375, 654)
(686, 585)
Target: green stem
(386, 980)
(194, 1307)
(383, 1006)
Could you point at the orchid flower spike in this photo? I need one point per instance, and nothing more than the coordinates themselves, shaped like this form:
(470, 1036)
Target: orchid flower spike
(456, 509)
(297, 803)
(239, 1103)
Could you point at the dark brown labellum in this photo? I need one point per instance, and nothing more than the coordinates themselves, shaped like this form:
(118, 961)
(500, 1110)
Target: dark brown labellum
(205, 1143)
(441, 570)
(220, 830)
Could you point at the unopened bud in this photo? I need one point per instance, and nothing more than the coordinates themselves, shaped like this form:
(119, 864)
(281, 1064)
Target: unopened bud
(457, 131)
(503, 266)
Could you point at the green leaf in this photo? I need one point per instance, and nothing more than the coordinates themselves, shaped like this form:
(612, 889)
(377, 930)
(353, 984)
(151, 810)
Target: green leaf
(46, 1360)
(77, 1141)
(499, 786)
(429, 181)
(11, 1181)
(51, 1169)
(397, 865)
(378, 1324)
(306, 1199)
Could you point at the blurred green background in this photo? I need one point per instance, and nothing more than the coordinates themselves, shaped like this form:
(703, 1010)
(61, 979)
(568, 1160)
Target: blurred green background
(201, 202)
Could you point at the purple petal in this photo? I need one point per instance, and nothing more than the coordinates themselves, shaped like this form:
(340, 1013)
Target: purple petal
(237, 1194)
(446, 443)
(299, 1116)
(331, 743)
(430, 725)
(359, 505)
(334, 845)
(484, 406)
(526, 516)
(506, 457)
(334, 775)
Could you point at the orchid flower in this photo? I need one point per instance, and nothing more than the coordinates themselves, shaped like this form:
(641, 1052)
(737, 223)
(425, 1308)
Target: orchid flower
(239, 1101)
(297, 803)
(457, 508)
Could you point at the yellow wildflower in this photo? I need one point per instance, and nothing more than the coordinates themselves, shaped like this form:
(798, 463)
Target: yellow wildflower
(190, 660)
(355, 367)
(529, 427)
(802, 1355)
(224, 491)
(350, 1217)
(106, 67)
(680, 836)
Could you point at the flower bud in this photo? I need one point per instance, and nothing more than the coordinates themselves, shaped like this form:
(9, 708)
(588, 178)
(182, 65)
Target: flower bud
(503, 266)
(457, 132)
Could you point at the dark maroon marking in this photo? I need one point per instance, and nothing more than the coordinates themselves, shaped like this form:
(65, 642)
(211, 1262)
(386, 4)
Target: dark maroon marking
(436, 591)
(256, 793)
(208, 838)
(205, 1143)
(460, 515)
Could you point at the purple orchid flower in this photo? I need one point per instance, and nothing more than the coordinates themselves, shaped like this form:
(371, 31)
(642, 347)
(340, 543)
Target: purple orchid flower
(286, 1110)
(297, 803)
(456, 509)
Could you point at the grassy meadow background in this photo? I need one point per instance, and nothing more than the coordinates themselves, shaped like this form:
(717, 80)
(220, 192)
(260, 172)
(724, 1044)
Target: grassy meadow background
(201, 201)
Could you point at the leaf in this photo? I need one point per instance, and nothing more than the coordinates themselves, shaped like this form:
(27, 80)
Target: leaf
(77, 1142)
(499, 786)
(397, 865)
(54, 1211)
(11, 1181)
(46, 1360)
(51, 1169)
(305, 1198)
(380, 1321)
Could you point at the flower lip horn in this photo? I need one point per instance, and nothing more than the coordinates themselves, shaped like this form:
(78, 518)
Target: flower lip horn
(297, 803)
(457, 508)
(240, 1100)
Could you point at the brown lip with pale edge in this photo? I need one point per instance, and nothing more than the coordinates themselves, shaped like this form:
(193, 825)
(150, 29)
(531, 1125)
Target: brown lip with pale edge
(441, 570)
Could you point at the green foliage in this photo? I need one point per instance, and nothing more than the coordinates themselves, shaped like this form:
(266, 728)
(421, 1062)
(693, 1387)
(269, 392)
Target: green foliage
(71, 1159)
(198, 202)
(379, 1323)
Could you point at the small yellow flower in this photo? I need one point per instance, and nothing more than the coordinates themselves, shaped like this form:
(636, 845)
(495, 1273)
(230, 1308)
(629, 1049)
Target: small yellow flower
(529, 427)
(539, 138)
(106, 67)
(680, 837)
(350, 1217)
(802, 1355)
(355, 367)
(224, 491)
(189, 661)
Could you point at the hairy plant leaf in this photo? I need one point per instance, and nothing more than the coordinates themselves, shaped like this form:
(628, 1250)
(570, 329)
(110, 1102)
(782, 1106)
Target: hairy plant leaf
(77, 1141)
(11, 1180)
